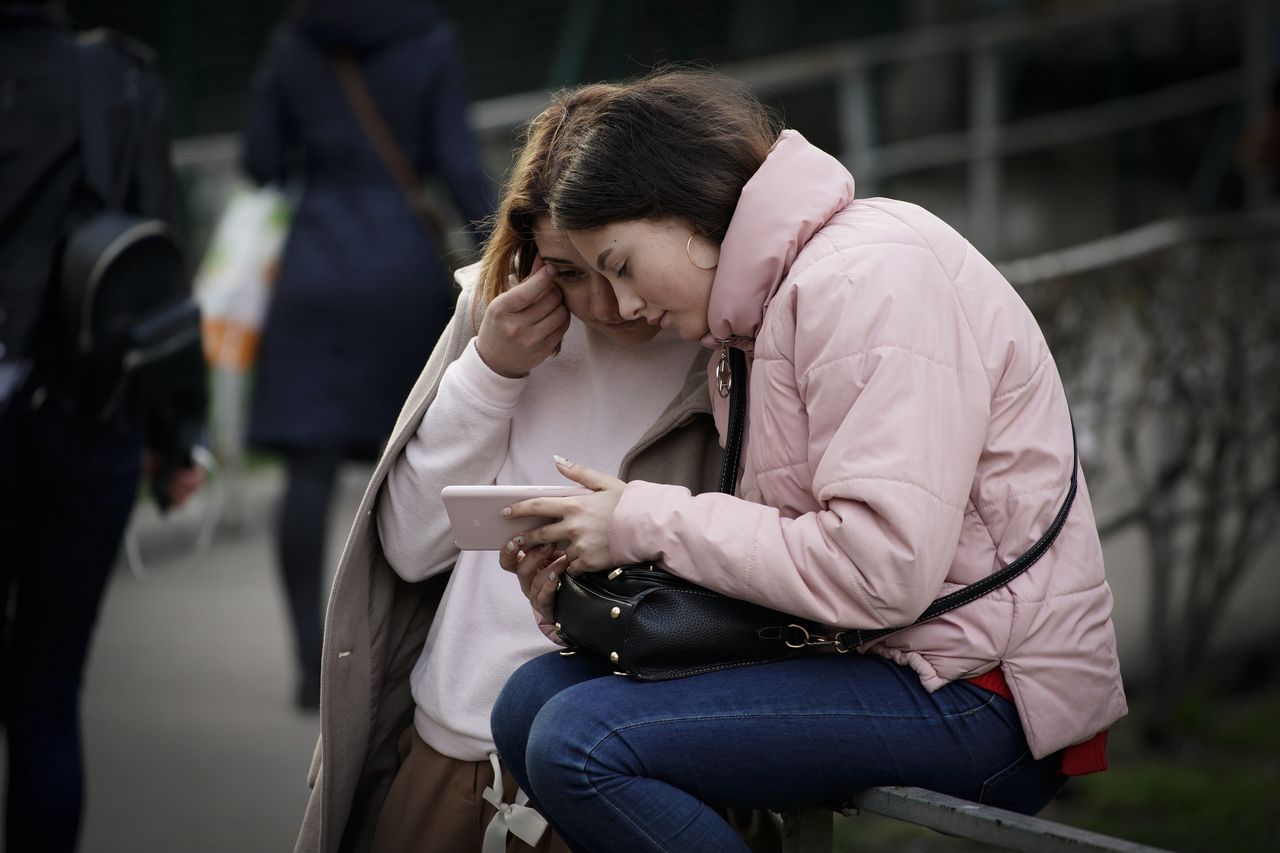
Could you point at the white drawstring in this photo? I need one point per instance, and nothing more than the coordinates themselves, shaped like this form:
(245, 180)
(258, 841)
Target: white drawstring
(517, 818)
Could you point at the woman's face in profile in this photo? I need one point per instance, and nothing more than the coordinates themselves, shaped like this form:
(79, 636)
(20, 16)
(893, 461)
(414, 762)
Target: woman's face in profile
(587, 294)
(656, 272)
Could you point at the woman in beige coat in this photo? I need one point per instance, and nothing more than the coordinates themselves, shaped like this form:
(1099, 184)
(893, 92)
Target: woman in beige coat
(414, 651)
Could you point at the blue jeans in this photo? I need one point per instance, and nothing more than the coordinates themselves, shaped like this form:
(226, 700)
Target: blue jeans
(616, 764)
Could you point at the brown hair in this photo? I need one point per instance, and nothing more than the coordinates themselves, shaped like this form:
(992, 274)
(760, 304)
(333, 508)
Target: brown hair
(679, 142)
(510, 247)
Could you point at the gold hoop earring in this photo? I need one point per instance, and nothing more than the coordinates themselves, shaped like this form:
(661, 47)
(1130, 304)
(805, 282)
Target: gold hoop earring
(688, 251)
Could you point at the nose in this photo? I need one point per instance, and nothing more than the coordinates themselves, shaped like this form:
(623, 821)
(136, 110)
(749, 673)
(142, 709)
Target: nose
(629, 304)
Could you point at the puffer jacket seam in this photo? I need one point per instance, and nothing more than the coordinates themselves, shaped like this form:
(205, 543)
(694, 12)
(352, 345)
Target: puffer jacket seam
(752, 559)
(1016, 604)
(846, 247)
(847, 481)
(797, 463)
(964, 315)
(986, 528)
(995, 503)
(864, 595)
(832, 362)
(1061, 593)
(1031, 380)
(928, 246)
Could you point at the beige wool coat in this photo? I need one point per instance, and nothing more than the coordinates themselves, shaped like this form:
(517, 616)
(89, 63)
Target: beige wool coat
(377, 623)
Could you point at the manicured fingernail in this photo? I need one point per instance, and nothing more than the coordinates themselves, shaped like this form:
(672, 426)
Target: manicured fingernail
(560, 460)
(519, 540)
(551, 576)
(506, 511)
(511, 547)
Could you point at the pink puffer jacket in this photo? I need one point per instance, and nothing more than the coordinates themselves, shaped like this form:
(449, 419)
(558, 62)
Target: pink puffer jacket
(908, 433)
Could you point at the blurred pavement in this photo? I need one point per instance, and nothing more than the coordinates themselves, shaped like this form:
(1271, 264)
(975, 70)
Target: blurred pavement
(192, 740)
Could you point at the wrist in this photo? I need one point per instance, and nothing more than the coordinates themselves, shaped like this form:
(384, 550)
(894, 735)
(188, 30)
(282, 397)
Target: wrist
(498, 368)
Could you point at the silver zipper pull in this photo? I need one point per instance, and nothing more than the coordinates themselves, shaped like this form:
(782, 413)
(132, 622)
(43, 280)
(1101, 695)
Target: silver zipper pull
(724, 376)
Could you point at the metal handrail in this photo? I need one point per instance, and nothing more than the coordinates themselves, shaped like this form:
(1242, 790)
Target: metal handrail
(1137, 243)
(1064, 127)
(997, 827)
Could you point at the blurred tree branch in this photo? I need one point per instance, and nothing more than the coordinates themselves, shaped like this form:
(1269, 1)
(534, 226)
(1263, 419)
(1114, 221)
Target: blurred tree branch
(1173, 367)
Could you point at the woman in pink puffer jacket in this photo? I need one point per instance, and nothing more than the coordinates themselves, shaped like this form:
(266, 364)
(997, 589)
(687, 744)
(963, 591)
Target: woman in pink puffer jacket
(908, 434)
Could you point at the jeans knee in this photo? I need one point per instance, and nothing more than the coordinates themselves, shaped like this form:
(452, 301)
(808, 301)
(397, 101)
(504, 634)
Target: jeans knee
(513, 713)
(574, 746)
(556, 754)
(509, 721)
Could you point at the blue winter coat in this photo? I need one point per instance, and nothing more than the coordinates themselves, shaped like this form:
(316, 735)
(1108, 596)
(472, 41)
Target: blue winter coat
(362, 294)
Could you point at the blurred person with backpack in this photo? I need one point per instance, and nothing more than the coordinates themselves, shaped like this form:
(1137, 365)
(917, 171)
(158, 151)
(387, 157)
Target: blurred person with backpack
(354, 106)
(91, 293)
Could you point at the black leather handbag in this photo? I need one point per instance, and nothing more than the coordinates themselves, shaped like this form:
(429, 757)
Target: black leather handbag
(653, 626)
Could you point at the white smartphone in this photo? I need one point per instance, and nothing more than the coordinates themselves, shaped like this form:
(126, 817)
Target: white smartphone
(475, 512)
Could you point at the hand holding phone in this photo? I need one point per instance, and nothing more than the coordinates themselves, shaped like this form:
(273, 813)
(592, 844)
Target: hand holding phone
(475, 512)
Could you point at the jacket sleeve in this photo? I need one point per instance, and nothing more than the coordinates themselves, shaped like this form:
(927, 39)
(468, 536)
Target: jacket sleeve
(453, 147)
(896, 407)
(462, 439)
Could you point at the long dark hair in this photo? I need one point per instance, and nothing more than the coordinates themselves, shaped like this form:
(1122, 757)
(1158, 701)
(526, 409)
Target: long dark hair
(679, 142)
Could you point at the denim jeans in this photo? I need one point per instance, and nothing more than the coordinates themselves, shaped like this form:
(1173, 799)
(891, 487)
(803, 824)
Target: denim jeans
(616, 764)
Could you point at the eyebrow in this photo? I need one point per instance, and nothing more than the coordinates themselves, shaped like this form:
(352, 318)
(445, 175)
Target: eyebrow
(603, 256)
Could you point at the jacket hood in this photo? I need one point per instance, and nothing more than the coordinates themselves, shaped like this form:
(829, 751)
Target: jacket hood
(797, 189)
(360, 26)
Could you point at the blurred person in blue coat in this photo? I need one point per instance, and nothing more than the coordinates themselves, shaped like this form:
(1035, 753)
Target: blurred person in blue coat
(363, 293)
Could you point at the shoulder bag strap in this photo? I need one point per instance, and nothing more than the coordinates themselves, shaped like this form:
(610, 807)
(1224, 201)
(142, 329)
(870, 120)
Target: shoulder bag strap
(733, 361)
(384, 142)
(850, 639)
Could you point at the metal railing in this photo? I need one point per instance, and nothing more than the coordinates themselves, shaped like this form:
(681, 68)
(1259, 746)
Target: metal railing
(1139, 242)
(989, 139)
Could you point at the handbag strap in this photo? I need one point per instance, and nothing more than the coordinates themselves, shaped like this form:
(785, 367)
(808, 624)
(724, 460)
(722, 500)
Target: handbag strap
(731, 371)
(384, 142)
(852, 638)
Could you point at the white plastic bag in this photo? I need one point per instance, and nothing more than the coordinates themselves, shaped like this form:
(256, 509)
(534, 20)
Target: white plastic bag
(233, 284)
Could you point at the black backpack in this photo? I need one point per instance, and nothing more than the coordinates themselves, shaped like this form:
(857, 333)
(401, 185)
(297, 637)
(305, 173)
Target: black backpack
(127, 320)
